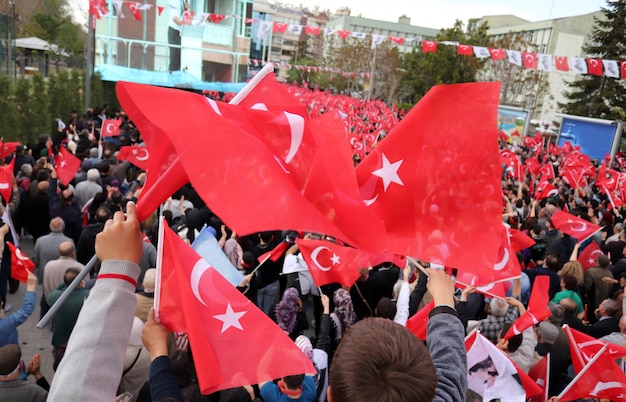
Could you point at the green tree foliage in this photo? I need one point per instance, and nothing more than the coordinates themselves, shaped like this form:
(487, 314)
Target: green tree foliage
(594, 96)
(22, 94)
(521, 87)
(39, 107)
(424, 70)
(9, 115)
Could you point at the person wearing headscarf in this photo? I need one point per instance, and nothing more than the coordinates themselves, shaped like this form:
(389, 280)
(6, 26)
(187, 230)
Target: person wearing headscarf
(288, 314)
(341, 318)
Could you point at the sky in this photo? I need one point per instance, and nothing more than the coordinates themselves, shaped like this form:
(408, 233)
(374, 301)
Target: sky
(442, 13)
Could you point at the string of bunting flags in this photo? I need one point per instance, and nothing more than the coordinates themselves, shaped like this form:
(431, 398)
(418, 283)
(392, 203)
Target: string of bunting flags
(314, 69)
(528, 60)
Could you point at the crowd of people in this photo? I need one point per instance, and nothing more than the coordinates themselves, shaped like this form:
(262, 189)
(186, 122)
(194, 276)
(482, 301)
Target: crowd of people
(106, 341)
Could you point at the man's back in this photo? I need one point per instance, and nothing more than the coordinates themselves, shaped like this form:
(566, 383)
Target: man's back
(596, 289)
(47, 249)
(54, 271)
(65, 318)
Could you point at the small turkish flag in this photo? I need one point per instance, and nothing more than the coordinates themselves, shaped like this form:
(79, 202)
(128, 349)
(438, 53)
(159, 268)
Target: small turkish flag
(595, 67)
(312, 30)
(6, 182)
(110, 127)
(584, 347)
(134, 9)
(159, 10)
(343, 34)
(216, 18)
(537, 307)
(533, 166)
(20, 264)
(465, 50)
(545, 189)
(429, 46)
(561, 63)
(222, 324)
(397, 39)
(530, 60)
(519, 240)
(136, 155)
(497, 54)
(578, 228)
(275, 253)
(418, 323)
(330, 263)
(8, 148)
(279, 27)
(547, 172)
(494, 289)
(67, 165)
(541, 374)
(589, 256)
(623, 65)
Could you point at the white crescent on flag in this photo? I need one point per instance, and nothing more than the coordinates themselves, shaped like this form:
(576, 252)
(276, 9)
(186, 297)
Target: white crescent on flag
(314, 255)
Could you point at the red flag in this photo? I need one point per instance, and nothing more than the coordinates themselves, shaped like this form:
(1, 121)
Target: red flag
(545, 190)
(533, 166)
(423, 213)
(397, 39)
(572, 177)
(110, 127)
(561, 63)
(331, 263)
(134, 9)
(623, 68)
(530, 60)
(584, 347)
(578, 228)
(540, 373)
(136, 155)
(397, 260)
(601, 378)
(343, 34)
(510, 383)
(589, 256)
(519, 240)
(275, 253)
(547, 172)
(159, 10)
(216, 18)
(20, 264)
(312, 30)
(429, 46)
(595, 67)
(279, 27)
(222, 324)
(497, 54)
(418, 323)
(537, 307)
(6, 182)
(494, 289)
(67, 165)
(8, 148)
(465, 50)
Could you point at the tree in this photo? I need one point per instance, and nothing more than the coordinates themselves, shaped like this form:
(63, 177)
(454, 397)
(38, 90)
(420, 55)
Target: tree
(425, 70)
(601, 97)
(521, 87)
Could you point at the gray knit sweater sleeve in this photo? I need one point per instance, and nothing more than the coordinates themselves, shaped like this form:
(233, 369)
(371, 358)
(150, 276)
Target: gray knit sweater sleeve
(94, 360)
(446, 343)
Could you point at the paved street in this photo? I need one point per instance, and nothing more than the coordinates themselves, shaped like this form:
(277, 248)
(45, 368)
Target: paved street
(32, 339)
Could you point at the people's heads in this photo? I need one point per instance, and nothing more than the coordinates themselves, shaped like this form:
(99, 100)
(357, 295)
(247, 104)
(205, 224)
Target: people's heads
(10, 357)
(548, 332)
(26, 170)
(149, 279)
(69, 275)
(67, 195)
(103, 214)
(344, 308)
(293, 382)
(569, 306)
(557, 312)
(93, 174)
(266, 237)
(551, 262)
(116, 197)
(568, 282)
(622, 280)
(385, 308)
(603, 261)
(395, 367)
(573, 268)
(67, 249)
(57, 225)
(287, 309)
(607, 308)
(514, 342)
(498, 307)
(42, 187)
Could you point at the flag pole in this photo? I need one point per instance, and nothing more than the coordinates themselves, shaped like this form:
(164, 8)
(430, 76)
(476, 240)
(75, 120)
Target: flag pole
(67, 292)
(583, 371)
(418, 265)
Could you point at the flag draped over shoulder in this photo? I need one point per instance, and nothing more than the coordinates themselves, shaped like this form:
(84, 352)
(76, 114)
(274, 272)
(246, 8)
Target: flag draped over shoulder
(235, 342)
(435, 180)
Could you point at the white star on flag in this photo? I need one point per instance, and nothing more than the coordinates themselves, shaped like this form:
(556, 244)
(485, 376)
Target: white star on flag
(230, 318)
(389, 172)
(335, 259)
(63, 164)
(591, 261)
(134, 152)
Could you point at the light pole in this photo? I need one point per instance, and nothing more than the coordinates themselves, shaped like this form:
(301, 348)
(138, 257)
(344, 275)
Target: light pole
(14, 43)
